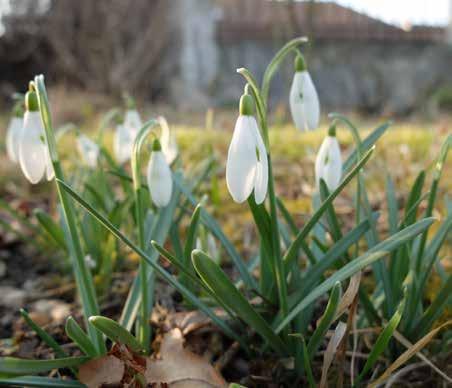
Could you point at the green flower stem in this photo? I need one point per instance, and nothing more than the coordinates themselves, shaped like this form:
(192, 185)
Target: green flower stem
(144, 329)
(83, 277)
(260, 97)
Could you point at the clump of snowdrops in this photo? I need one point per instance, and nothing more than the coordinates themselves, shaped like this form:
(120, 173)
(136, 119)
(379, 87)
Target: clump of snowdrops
(271, 309)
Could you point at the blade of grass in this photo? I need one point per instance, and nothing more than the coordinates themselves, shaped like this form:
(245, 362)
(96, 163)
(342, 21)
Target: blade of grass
(47, 338)
(435, 309)
(152, 260)
(417, 347)
(376, 253)
(52, 229)
(381, 343)
(219, 283)
(83, 277)
(432, 197)
(40, 382)
(76, 334)
(159, 233)
(215, 229)
(117, 333)
(12, 366)
(325, 321)
(291, 252)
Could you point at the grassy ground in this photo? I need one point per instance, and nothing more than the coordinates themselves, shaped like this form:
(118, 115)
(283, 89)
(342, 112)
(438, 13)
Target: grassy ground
(405, 149)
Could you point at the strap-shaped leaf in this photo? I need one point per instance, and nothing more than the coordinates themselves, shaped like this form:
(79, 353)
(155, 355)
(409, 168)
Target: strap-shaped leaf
(40, 382)
(366, 144)
(376, 253)
(158, 233)
(441, 161)
(116, 332)
(292, 251)
(435, 309)
(76, 334)
(190, 244)
(152, 260)
(219, 283)
(12, 366)
(382, 341)
(51, 228)
(47, 338)
(213, 226)
(325, 322)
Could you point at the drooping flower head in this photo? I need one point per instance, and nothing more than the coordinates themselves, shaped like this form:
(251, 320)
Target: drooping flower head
(13, 132)
(33, 153)
(88, 149)
(328, 164)
(159, 179)
(304, 102)
(168, 141)
(126, 133)
(247, 163)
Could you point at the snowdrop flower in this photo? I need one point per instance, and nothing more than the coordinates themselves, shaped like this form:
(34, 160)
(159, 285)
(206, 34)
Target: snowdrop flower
(34, 156)
(304, 102)
(13, 136)
(168, 141)
(126, 134)
(159, 179)
(247, 164)
(88, 149)
(328, 164)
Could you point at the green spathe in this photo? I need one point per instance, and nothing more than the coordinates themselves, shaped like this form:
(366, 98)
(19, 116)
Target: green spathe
(246, 105)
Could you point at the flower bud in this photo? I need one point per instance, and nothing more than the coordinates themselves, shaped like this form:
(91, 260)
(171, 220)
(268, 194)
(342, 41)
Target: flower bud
(159, 178)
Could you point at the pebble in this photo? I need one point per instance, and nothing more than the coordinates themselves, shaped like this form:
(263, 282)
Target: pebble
(12, 297)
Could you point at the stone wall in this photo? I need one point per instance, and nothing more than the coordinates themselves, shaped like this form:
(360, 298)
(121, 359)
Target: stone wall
(374, 76)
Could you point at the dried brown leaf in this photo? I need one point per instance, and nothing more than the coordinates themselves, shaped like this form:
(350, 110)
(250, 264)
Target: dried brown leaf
(330, 351)
(178, 367)
(349, 295)
(101, 371)
(408, 354)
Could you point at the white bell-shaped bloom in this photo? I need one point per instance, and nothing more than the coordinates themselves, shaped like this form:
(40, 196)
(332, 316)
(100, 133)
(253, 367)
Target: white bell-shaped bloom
(33, 154)
(159, 178)
(88, 149)
(12, 138)
(304, 101)
(247, 164)
(125, 135)
(168, 141)
(328, 164)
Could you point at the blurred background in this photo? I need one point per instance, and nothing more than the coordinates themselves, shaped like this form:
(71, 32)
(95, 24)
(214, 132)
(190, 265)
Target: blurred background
(371, 57)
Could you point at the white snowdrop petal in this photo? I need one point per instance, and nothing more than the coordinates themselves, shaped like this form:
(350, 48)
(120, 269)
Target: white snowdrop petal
(32, 154)
(304, 102)
(168, 141)
(333, 169)
(321, 159)
(261, 180)
(88, 149)
(328, 165)
(159, 179)
(122, 144)
(13, 137)
(242, 159)
(132, 120)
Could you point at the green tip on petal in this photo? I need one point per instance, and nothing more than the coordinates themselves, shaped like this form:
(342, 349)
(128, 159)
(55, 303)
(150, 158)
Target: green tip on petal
(332, 130)
(300, 63)
(156, 146)
(31, 101)
(18, 109)
(246, 105)
(130, 102)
